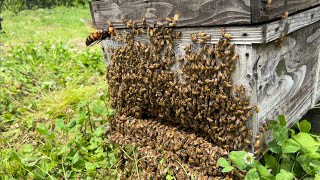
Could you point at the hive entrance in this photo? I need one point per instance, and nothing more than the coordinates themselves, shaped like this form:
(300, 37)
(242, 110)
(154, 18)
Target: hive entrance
(184, 108)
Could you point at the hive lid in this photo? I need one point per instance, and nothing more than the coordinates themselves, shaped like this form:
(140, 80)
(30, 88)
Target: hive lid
(195, 13)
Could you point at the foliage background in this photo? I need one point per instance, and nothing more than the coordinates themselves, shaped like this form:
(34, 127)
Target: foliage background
(54, 110)
(19, 5)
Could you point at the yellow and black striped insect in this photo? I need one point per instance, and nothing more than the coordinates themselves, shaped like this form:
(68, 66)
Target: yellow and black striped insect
(100, 35)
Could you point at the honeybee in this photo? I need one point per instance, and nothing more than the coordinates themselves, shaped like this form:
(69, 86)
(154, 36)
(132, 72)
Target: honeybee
(257, 144)
(100, 35)
(256, 108)
(269, 2)
(228, 36)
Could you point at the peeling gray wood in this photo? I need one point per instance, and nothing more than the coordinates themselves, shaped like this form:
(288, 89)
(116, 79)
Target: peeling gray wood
(244, 75)
(315, 39)
(196, 12)
(251, 34)
(261, 12)
(192, 12)
(286, 76)
(243, 35)
(293, 23)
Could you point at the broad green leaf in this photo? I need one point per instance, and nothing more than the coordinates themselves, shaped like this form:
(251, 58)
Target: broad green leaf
(263, 172)
(59, 124)
(72, 124)
(99, 131)
(97, 109)
(169, 177)
(298, 170)
(292, 132)
(112, 159)
(287, 163)
(308, 144)
(90, 166)
(15, 156)
(83, 116)
(238, 159)
(315, 164)
(27, 148)
(282, 120)
(41, 128)
(227, 169)
(304, 126)
(280, 133)
(75, 158)
(304, 161)
(284, 175)
(313, 155)
(272, 123)
(30, 161)
(252, 174)
(223, 162)
(290, 146)
(317, 177)
(271, 161)
(274, 147)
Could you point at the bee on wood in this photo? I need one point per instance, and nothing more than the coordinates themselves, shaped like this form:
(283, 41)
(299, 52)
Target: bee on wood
(285, 15)
(257, 144)
(222, 31)
(284, 19)
(228, 36)
(173, 21)
(194, 37)
(100, 35)
(144, 22)
(269, 2)
(256, 108)
(204, 37)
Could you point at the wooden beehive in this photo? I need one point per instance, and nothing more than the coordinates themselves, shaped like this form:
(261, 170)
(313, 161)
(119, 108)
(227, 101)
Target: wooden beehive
(280, 79)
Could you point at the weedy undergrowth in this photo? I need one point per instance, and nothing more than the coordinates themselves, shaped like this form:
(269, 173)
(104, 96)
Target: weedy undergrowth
(293, 154)
(54, 114)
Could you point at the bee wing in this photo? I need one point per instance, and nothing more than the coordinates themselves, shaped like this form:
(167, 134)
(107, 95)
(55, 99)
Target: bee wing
(95, 42)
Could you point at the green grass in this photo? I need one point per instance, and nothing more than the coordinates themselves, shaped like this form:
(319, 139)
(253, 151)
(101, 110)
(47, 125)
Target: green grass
(61, 24)
(53, 98)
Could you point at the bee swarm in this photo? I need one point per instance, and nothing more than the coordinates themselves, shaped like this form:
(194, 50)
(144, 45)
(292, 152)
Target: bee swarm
(186, 106)
(172, 143)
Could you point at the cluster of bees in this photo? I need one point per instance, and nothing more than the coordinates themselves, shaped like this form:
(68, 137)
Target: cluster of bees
(180, 145)
(155, 92)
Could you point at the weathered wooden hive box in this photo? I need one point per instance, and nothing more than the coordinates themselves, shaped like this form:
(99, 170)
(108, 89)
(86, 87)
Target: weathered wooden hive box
(279, 55)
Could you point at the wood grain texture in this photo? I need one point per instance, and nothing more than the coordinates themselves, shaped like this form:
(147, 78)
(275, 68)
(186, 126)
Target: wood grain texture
(240, 35)
(277, 7)
(315, 39)
(192, 12)
(286, 76)
(293, 23)
(245, 75)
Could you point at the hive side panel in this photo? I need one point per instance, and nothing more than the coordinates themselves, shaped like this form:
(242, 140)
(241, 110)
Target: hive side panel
(192, 12)
(315, 38)
(202, 108)
(286, 75)
(244, 75)
(266, 10)
(293, 23)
